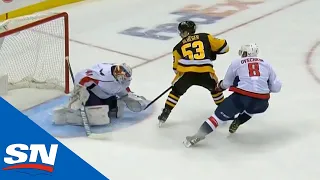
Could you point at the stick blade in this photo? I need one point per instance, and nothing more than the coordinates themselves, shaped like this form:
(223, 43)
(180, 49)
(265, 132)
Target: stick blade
(97, 136)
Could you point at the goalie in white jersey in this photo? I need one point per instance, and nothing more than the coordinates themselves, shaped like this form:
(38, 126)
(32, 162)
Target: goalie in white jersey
(251, 79)
(104, 91)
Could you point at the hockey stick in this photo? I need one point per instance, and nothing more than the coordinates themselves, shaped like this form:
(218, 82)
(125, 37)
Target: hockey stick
(84, 116)
(158, 97)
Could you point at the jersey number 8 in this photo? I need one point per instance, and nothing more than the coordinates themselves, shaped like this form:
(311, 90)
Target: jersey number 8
(253, 69)
(193, 50)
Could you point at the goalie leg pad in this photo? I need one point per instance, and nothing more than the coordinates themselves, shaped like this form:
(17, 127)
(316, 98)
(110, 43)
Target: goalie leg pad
(65, 116)
(121, 106)
(98, 115)
(117, 112)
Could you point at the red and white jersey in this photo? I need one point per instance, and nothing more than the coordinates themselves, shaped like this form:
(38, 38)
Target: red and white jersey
(252, 76)
(100, 80)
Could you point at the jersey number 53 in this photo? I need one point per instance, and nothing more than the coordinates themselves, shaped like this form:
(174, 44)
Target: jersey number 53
(193, 50)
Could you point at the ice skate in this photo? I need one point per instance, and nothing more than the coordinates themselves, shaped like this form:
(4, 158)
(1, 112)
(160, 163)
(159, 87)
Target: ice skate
(163, 116)
(192, 140)
(234, 126)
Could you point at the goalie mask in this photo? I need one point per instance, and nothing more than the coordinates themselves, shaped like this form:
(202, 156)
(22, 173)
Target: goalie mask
(122, 72)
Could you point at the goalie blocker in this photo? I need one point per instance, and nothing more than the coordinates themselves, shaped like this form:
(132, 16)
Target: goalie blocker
(104, 91)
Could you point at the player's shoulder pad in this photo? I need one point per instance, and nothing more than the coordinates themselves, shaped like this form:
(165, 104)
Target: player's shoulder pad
(236, 60)
(265, 61)
(203, 35)
(177, 46)
(206, 34)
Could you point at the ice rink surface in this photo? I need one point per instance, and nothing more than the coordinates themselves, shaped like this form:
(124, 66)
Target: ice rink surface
(282, 144)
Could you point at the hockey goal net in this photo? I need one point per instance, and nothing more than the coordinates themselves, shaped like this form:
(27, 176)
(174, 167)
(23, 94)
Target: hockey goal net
(34, 50)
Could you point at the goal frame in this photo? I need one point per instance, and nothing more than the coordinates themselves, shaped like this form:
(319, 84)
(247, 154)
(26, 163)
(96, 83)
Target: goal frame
(44, 20)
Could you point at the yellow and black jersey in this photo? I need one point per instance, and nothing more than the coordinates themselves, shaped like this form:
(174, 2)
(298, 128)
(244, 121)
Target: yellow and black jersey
(195, 53)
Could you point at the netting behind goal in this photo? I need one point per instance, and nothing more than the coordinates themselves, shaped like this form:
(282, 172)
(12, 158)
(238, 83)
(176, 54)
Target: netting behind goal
(33, 51)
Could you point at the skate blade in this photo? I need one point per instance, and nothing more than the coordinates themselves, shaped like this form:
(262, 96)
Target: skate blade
(232, 132)
(160, 124)
(187, 144)
(97, 136)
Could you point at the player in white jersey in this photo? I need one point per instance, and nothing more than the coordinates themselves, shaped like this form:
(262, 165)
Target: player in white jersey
(104, 91)
(251, 79)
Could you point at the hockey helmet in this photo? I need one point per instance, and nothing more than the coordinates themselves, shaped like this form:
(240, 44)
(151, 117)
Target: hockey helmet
(187, 26)
(249, 50)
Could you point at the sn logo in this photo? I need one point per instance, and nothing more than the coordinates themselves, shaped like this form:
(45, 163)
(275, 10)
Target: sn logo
(17, 159)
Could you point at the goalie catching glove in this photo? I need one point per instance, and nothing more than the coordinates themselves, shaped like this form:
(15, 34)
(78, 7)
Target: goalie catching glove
(134, 102)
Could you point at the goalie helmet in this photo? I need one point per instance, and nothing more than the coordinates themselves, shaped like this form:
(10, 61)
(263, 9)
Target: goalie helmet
(122, 72)
(186, 27)
(249, 50)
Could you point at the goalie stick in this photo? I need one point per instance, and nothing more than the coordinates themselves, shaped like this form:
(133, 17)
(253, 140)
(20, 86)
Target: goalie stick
(83, 113)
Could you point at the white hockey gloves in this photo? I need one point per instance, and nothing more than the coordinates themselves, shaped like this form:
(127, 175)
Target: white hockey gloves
(134, 102)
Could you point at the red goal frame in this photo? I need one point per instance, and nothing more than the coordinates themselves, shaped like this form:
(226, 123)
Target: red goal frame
(65, 17)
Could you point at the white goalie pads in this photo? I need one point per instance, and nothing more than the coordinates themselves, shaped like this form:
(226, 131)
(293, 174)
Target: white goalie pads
(97, 116)
(118, 113)
(78, 97)
(134, 102)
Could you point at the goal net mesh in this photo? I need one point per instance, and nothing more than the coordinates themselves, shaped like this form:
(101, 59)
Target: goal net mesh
(32, 52)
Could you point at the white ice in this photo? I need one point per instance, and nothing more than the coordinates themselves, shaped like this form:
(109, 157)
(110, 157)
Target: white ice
(282, 144)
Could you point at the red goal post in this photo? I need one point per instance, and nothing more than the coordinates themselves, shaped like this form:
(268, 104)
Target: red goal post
(34, 51)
